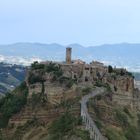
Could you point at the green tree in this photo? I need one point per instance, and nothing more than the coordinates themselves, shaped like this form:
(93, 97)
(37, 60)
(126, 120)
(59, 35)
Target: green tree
(110, 69)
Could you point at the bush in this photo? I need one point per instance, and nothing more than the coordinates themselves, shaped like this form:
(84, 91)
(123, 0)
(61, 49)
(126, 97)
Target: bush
(34, 78)
(98, 124)
(64, 125)
(84, 135)
(36, 66)
(110, 69)
(127, 112)
(122, 118)
(70, 83)
(98, 84)
(86, 90)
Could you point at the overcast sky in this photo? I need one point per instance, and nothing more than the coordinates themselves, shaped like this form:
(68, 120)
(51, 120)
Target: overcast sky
(88, 22)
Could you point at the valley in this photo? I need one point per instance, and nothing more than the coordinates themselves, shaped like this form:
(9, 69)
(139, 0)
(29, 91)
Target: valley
(10, 77)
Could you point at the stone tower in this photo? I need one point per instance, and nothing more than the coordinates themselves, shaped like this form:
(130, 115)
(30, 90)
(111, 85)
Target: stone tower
(68, 55)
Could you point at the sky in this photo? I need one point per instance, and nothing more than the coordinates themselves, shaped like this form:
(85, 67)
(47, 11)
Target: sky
(87, 22)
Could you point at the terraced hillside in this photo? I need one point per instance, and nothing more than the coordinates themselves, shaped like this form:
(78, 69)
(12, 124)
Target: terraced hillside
(24, 118)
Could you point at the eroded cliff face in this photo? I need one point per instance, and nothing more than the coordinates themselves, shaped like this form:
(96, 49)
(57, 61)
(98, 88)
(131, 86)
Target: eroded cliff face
(124, 92)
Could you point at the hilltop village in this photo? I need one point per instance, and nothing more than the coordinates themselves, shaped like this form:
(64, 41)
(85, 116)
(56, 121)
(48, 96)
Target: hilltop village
(77, 73)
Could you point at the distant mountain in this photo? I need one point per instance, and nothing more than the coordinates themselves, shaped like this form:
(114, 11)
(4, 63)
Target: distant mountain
(120, 55)
(10, 76)
(137, 76)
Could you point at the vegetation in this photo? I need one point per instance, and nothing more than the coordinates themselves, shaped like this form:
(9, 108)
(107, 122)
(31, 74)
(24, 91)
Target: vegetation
(66, 125)
(34, 78)
(54, 70)
(86, 90)
(68, 82)
(126, 110)
(110, 69)
(122, 118)
(10, 76)
(12, 103)
(114, 134)
(41, 69)
(36, 66)
(119, 124)
(30, 124)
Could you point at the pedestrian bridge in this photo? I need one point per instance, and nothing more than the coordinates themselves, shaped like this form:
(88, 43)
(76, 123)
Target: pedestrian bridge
(90, 125)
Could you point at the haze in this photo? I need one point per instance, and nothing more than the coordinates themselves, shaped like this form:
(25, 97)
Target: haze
(88, 22)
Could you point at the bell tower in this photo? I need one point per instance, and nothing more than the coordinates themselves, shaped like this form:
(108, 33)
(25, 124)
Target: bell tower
(68, 55)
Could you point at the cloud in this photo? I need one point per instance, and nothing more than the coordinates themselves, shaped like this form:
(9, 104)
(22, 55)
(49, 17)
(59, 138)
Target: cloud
(19, 60)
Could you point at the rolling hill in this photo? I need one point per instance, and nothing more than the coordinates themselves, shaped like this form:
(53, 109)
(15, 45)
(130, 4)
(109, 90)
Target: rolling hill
(10, 77)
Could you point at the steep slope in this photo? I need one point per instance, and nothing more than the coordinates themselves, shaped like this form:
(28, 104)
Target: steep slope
(116, 122)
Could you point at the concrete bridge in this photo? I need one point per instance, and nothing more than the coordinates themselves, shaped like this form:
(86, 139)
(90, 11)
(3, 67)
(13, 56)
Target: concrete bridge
(95, 134)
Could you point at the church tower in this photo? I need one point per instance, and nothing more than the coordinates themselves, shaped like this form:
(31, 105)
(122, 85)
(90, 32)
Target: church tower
(68, 55)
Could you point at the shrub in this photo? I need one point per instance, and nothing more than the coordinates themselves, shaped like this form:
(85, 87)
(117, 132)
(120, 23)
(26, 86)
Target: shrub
(86, 90)
(127, 112)
(70, 83)
(64, 125)
(98, 124)
(34, 78)
(110, 69)
(122, 118)
(98, 84)
(84, 135)
(36, 66)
